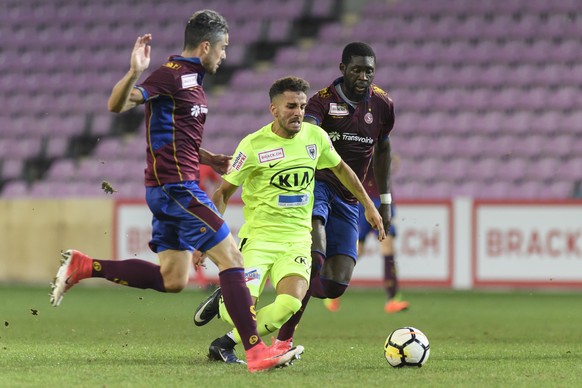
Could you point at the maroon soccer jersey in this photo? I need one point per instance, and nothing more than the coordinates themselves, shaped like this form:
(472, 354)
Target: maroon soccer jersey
(370, 185)
(175, 112)
(353, 131)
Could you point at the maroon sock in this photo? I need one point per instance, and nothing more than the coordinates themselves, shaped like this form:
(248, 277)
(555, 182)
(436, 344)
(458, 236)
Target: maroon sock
(315, 286)
(288, 329)
(133, 273)
(238, 303)
(390, 280)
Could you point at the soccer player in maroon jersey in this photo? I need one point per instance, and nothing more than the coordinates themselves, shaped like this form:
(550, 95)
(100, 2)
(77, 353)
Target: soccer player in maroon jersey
(394, 302)
(358, 116)
(184, 218)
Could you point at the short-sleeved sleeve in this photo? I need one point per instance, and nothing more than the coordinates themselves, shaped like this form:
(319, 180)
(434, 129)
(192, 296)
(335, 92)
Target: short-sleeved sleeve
(315, 108)
(329, 157)
(161, 82)
(243, 163)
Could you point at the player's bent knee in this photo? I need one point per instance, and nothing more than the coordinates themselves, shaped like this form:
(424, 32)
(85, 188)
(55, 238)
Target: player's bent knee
(175, 285)
(333, 289)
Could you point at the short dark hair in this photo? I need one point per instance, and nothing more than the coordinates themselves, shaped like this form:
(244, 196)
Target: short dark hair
(288, 84)
(357, 49)
(204, 25)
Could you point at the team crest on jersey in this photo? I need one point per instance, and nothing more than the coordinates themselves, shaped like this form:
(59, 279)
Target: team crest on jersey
(239, 161)
(189, 80)
(369, 118)
(267, 156)
(172, 65)
(336, 109)
(311, 151)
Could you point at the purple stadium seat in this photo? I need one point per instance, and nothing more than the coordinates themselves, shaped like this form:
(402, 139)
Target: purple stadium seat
(427, 169)
(528, 146)
(11, 169)
(546, 123)
(56, 147)
(497, 190)
(557, 189)
(571, 169)
(14, 189)
(62, 170)
(485, 169)
(109, 149)
(321, 8)
(469, 188)
(513, 169)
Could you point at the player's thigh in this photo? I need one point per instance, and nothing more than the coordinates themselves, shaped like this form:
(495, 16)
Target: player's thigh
(291, 270)
(259, 257)
(184, 218)
(225, 254)
(322, 198)
(342, 230)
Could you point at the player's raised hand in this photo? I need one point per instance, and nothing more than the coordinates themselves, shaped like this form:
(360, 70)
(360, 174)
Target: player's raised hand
(140, 56)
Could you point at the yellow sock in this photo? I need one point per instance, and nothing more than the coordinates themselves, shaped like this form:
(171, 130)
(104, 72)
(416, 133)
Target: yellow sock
(271, 317)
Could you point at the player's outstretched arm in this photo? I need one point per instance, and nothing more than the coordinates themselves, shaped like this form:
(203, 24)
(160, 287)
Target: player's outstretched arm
(219, 162)
(123, 96)
(350, 180)
(222, 195)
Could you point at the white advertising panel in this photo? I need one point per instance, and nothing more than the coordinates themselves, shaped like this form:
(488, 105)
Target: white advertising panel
(527, 244)
(423, 246)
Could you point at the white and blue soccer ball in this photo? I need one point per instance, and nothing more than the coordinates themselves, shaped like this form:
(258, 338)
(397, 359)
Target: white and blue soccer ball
(406, 346)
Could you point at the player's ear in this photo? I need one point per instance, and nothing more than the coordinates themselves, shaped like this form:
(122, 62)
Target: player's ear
(205, 47)
(273, 109)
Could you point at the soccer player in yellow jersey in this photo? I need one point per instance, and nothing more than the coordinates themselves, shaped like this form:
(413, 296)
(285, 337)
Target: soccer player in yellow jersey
(276, 168)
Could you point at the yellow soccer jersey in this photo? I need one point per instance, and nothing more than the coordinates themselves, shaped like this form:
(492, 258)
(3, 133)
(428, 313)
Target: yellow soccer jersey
(277, 178)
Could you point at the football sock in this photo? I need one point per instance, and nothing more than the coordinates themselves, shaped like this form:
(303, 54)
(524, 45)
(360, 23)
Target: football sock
(288, 329)
(133, 273)
(224, 342)
(238, 303)
(390, 280)
(315, 286)
(271, 317)
(317, 259)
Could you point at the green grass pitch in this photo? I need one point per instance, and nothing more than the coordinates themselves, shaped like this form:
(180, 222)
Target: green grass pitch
(119, 337)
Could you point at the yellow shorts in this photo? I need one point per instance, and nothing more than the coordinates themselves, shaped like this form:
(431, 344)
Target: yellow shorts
(274, 260)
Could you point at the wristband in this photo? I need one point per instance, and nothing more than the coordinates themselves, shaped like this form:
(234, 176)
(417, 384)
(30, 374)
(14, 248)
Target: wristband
(386, 199)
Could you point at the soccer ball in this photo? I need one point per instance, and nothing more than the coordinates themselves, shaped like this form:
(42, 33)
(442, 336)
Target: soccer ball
(406, 346)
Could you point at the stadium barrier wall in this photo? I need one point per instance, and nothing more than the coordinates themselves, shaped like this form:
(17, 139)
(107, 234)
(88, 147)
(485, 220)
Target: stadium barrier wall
(34, 232)
(459, 244)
